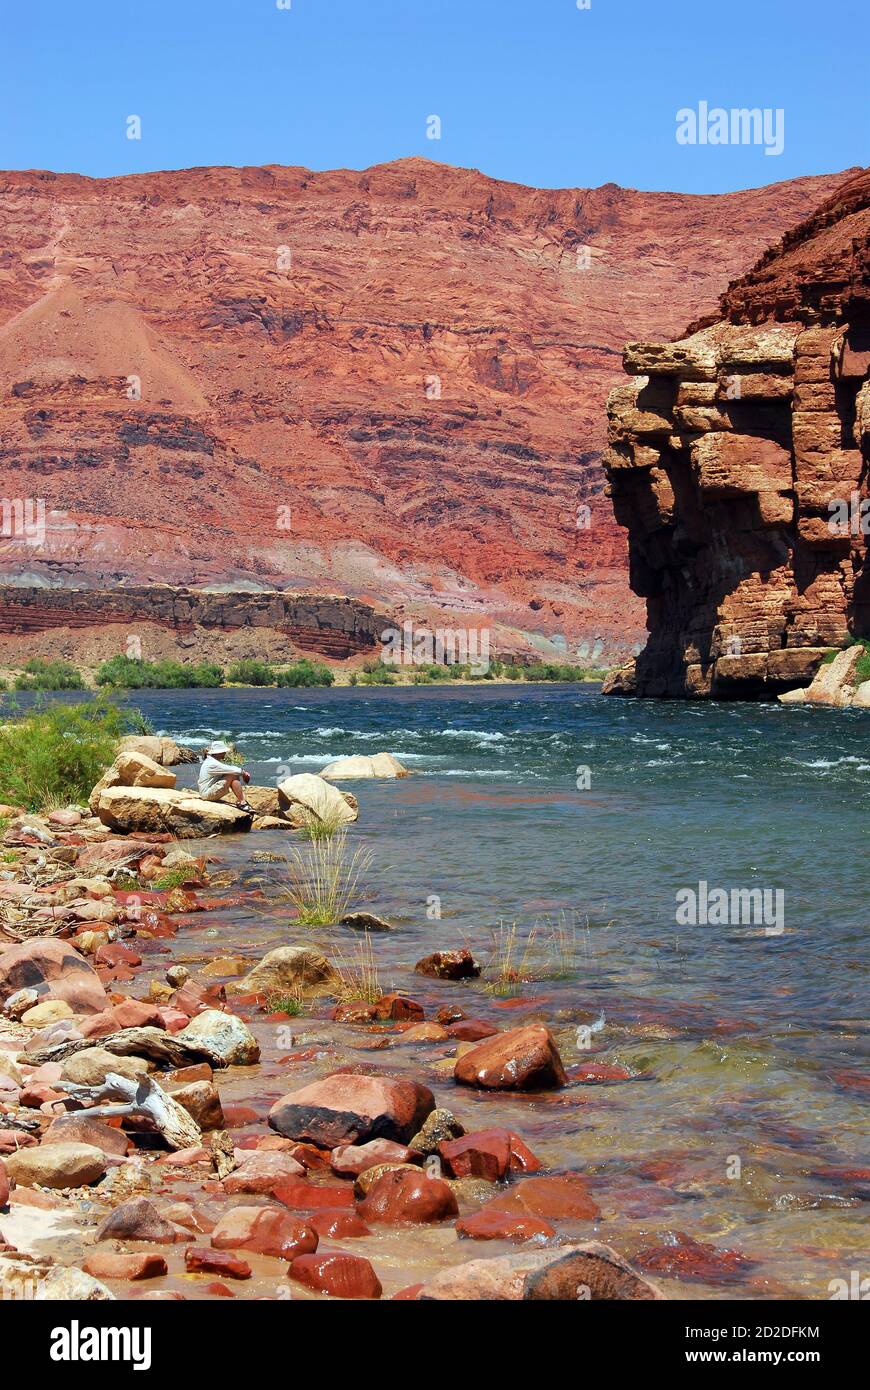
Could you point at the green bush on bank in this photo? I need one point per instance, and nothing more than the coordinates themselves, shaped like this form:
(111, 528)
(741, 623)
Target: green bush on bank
(251, 673)
(49, 675)
(129, 673)
(305, 672)
(55, 754)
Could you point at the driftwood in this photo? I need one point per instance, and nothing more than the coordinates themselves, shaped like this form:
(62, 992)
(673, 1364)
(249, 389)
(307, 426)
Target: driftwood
(222, 1152)
(143, 1098)
(132, 1042)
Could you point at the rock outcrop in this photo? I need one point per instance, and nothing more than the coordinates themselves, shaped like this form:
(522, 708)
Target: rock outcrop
(738, 461)
(386, 384)
(179, 622)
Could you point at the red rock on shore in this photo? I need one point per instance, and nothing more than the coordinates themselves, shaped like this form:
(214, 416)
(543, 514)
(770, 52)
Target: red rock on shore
(487, 1153)
(346, 1108)
(266, 1230)
(342, 1276)
(402, 1195)
(524, 1059)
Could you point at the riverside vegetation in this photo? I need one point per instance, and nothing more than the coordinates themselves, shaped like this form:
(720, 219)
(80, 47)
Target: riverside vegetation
(122, 672)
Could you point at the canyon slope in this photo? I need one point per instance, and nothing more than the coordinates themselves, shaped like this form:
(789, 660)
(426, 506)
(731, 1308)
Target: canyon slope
(738, 462)
(386, 385)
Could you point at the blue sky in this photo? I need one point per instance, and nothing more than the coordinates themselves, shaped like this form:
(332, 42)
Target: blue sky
(538, 91)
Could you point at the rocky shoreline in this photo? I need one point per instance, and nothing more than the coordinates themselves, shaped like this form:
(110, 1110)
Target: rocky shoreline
(154, 1142)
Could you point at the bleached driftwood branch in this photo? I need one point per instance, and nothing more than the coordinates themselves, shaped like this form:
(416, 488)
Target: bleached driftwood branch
(143, 1098)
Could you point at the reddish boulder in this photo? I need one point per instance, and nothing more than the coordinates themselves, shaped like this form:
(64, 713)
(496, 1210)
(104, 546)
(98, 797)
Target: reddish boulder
(471, 1030)
(200, 1260)
(447, 1014)
(685, 1258)
(136, 1013)
(449, 965)
(105, 1264)
(338, 1225)
(79, 1128)
(183, 1076)
(342, 1276)
(311, 1196)
(398, 1006)
(352, 1159)
(558, 1198)
(524, 1059)
(55, 971)
(489, 1154)
(4, 1184)
(266, 1230)
(116, 953)
(402, 1195)
(260, 1171)
(354, 1011)
(491, 1224)
(346, 1108)
(138, 1219)
(109, 854)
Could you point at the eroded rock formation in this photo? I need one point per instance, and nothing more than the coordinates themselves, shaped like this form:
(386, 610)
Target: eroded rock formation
(738, 462)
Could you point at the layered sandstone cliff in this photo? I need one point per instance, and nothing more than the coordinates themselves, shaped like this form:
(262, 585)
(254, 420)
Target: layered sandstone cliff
(158, 622)
(387, 384)
(738, 462)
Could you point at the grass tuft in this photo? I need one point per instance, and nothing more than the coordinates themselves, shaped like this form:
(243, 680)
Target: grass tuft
(325, 880)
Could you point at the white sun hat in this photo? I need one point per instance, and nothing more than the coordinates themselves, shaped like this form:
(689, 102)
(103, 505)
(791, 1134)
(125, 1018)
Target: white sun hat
(218, 747)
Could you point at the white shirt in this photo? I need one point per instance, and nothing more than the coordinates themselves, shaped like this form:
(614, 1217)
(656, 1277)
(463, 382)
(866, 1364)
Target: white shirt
(213, 772)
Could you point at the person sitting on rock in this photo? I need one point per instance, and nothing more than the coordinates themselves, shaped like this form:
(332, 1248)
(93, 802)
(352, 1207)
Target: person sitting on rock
(217, 777)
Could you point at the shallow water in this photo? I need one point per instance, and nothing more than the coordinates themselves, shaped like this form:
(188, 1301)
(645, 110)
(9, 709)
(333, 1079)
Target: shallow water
(749, 1047)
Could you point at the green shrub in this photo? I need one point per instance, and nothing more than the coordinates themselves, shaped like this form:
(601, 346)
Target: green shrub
(251, 673)
(49, 675)
(128, 673)
(55, 754)
(306, 672)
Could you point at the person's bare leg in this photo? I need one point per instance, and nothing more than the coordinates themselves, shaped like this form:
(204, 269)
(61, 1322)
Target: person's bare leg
(237, 790)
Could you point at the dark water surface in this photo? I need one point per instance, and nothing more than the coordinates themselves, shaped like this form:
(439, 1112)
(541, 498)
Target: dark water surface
(747, 1045)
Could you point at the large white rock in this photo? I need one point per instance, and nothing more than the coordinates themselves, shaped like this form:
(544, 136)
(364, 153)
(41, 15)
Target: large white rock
(834, 683)
(316, 799)
(359, 765)
(136, 769)
(161, 749)
(145, 809)
(56, 1165)
(223, 1034)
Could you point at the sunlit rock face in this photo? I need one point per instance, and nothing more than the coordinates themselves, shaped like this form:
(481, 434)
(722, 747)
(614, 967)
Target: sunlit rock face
(738, 460)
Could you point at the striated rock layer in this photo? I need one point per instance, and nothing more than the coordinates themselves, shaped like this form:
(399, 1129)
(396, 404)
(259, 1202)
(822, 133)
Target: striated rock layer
(171, 622)
(385, 384)
(738, 462)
